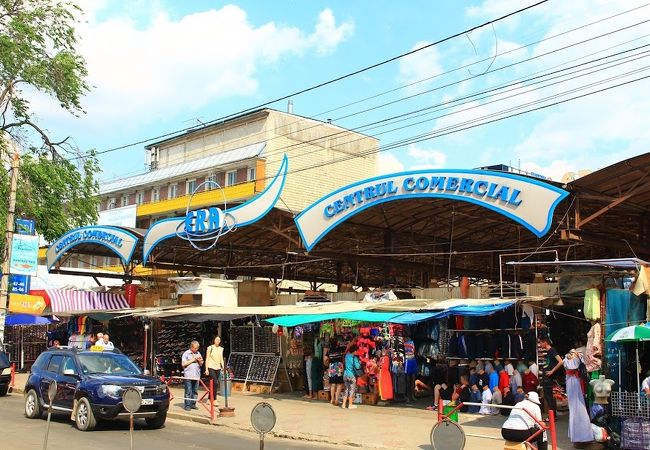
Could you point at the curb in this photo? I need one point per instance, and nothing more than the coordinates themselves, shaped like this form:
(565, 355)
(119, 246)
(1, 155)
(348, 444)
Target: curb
(277, 434)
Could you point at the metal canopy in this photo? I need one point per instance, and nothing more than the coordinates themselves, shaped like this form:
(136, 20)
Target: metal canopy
(615, 263)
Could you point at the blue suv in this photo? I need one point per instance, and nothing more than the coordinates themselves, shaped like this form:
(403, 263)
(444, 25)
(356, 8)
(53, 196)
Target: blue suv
(90, 386)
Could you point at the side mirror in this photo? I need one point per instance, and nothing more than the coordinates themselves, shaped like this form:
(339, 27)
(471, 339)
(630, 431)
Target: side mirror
(70, 373)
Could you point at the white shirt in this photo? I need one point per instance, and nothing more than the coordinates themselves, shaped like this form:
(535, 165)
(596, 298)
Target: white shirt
(99, 343)
(520, 419)
(645, 384)
(486, 399)
(108, 345)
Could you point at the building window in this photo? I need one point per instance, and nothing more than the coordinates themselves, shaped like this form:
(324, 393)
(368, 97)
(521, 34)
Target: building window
(190, 187)
(251, 174)
(93, 261)
(139, 198)
(231, 178)
(155, 194)
(125, 200)
(172, 191)
(210, 181)
(107, 261)
(112, 203)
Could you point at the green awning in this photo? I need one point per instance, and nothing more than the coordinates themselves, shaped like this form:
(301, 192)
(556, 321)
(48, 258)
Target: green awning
(361, 316)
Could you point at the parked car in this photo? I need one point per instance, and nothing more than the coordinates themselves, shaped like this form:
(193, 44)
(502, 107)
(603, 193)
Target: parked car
(5, 371)
(90, 386)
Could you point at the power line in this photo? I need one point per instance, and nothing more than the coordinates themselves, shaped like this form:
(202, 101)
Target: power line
(331, 81)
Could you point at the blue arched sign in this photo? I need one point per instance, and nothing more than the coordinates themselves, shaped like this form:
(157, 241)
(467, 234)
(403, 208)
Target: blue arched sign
(120, 241)
(527, 201)
(208, 224)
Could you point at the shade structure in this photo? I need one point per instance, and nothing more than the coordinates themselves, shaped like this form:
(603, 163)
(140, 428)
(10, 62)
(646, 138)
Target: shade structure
(634, 333)
(361, 316)
(26, 319)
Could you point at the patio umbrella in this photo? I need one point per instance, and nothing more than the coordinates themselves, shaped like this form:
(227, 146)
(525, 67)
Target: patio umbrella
(634, 333)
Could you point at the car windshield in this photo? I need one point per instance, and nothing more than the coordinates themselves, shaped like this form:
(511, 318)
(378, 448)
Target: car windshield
(107, 363)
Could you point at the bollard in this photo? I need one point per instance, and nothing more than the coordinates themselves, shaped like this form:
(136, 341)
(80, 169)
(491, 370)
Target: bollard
(551, 420)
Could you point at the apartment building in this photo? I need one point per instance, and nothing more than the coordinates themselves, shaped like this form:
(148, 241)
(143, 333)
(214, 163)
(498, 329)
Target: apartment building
(238, 154)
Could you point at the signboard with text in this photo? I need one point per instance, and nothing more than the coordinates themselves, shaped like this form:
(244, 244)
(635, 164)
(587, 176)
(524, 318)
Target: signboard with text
(528, 201)
(26, 304)
(24, 255)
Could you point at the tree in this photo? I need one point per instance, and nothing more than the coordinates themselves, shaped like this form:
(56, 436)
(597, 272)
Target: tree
(57, 186)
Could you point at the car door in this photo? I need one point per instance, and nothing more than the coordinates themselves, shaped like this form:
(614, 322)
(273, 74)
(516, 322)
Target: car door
(68, 381)
(51, 373)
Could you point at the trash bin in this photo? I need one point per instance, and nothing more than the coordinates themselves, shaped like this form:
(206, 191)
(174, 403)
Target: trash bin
(449, 408)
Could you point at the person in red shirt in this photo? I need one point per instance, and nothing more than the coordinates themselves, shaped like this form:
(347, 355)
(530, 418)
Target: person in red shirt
(529, 381)
(504, 380)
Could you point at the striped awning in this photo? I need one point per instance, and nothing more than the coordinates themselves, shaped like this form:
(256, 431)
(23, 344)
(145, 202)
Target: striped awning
(63, 300)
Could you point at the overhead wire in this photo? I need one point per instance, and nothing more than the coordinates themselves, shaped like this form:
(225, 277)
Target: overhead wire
(334, 80)
(329, 136)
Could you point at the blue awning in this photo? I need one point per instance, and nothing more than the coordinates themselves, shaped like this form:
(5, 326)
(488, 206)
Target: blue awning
(411, 318)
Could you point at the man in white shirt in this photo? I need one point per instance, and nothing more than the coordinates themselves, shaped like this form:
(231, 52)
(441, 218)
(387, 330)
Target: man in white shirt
(645, 385)
(520, 425)
(486, 400)
(108, 345)
(100, 340)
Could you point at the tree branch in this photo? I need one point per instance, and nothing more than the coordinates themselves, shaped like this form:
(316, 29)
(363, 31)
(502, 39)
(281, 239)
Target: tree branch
(46, 139)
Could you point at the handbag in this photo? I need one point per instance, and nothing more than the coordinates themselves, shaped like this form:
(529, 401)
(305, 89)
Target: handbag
(358, 371)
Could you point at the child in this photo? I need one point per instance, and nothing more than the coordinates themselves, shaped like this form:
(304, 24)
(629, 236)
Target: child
(372, 370)
(486, 399)
(475, 397)
(520, 396)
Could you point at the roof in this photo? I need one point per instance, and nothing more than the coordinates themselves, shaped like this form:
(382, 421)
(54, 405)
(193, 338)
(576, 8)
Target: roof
(617, 263)
(186, 168)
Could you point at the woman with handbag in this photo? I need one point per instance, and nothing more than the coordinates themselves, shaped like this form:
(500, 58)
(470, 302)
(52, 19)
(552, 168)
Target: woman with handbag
(352, 370)
(214, 365)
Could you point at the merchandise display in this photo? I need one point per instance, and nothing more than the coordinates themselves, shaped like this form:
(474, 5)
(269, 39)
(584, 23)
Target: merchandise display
(173, 339)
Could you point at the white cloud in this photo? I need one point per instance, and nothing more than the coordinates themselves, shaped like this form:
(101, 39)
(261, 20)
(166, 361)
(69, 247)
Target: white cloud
(419, 66)
(143, 72)
(426, 158)
(389, 163)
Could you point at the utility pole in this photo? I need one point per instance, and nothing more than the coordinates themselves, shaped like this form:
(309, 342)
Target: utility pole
(11, 212)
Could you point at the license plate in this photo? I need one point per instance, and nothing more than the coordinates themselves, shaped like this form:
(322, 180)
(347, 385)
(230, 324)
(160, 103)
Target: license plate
(147, 401)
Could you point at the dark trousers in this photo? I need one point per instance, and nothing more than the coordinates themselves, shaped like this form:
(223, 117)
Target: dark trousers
(214, 376)
(191, 393)
(522, 435)
(549, 399)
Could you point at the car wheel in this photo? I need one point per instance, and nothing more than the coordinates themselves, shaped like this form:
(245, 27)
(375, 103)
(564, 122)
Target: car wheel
(4, 389)
(32, 405)
(156, 422)
(84, 418)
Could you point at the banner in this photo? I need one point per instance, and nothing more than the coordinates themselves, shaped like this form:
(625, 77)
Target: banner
(24, 255)
(19, 284)
(26, 304)
(527, 201)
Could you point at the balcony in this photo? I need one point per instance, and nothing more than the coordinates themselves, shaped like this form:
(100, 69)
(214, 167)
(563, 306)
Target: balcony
(207, 198)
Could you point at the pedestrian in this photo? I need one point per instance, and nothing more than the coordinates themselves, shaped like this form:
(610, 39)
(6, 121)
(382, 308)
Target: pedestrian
(191, 362)
(520, 395)
(516, 380)
(504, 379)
(214, 364)
(645, 384)
(106, 341)
(552, 365)
(519, 425)
(99, 340)
(351, 372)
(493, 379)
(334, 357)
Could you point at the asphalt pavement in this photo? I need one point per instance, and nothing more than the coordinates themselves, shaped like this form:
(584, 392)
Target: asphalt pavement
(17, 432)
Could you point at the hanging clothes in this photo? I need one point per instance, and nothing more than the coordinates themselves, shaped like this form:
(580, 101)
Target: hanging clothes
(527, 316)
(642, 283)
(579, 422)
(591, 305)
(594, 350)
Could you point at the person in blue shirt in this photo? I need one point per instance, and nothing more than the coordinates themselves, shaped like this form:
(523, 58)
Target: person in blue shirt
(493, 380)
(350, 373)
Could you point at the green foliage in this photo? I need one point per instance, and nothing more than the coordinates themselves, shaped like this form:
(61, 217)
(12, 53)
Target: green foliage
(37, 53)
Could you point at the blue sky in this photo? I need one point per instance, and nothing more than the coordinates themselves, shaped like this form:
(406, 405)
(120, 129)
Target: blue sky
(159, 66)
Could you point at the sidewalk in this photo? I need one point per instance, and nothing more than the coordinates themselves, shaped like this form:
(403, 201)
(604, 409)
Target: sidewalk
(378, 427)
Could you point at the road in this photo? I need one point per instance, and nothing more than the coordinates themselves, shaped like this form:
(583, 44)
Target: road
(18, 432)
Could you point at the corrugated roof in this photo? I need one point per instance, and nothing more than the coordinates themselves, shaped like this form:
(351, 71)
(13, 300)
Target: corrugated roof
(197, 165)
